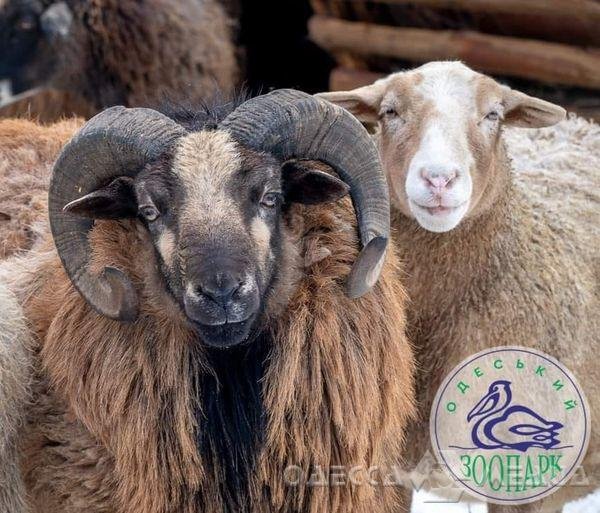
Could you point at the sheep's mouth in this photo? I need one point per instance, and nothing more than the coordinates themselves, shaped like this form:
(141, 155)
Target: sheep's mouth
(438, 210)
(227, 334)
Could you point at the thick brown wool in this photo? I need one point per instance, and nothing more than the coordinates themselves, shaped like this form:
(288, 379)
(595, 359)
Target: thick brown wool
(27, 154)
(113, 429)
(153, 50)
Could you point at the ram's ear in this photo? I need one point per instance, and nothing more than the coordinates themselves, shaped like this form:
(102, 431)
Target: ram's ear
(304, 183)
(56, 21)
(529, 112)
(113, 201)
(363, 103)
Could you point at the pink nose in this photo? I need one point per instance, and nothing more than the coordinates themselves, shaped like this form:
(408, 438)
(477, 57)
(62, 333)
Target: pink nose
(439, 180)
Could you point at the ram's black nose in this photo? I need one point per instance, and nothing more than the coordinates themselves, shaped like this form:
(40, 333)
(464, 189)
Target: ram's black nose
(222, 304)
(219, 287)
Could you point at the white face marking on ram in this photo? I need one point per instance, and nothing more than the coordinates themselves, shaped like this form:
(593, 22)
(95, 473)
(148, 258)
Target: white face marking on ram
(205, 162)
(166, 247)
(438, 182)
(261, 234)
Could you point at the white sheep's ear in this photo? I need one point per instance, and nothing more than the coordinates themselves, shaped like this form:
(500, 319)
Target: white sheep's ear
(363, 103)
(56, 21)
(529, 112)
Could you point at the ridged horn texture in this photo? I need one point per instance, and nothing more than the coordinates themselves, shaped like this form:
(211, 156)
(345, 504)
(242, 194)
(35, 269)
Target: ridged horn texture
(291, 124)
(116, 142)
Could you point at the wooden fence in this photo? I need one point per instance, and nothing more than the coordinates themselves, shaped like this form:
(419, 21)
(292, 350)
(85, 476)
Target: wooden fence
(553, 42)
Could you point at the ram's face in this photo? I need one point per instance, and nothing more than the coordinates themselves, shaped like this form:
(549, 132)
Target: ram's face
(214, 215)
(213, 210)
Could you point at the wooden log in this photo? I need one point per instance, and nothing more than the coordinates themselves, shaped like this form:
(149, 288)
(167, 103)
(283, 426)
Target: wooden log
(329, 7)
(572, 22)
(583, 9)
(344, 79)
(527, 58)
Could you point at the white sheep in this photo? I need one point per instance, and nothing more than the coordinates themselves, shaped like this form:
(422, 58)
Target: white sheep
(496, 254)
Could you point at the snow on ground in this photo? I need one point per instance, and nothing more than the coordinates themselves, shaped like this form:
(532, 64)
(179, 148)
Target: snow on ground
(589, 504)
(425, 502)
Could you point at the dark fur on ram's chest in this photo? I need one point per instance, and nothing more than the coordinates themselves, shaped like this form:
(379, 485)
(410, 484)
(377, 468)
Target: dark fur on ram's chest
(125, 419)
(232, 416)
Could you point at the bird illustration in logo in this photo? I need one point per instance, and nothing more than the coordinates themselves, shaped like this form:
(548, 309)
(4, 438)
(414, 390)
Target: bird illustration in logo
(502, 425)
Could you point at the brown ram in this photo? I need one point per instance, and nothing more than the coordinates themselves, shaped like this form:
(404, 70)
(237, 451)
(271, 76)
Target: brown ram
(239, 356)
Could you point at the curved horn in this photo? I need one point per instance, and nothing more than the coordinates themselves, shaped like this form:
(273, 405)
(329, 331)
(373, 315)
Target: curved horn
(292, 124)
(116, 142)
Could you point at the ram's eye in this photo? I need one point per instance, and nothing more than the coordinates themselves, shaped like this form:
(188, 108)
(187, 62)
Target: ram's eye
(149, 213)
(270, 200)
(492, 116)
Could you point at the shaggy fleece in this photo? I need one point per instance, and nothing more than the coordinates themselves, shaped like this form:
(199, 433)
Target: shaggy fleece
(549, 158)
(27, 153)
(15, 372)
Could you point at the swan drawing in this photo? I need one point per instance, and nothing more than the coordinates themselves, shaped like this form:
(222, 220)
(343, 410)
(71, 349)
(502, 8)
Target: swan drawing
(500, 425)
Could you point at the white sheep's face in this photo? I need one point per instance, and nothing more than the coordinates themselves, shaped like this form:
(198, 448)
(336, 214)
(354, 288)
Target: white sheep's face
(439, 131)
(214, 213)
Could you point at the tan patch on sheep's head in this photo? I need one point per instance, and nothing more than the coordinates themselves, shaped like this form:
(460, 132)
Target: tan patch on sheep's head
(224, 185)
(261, 234)
(166, 247)
(205, 163)
(439, 137)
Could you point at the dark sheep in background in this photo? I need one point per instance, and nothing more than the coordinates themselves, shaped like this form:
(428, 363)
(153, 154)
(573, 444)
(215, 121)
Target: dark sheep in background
(87, 55)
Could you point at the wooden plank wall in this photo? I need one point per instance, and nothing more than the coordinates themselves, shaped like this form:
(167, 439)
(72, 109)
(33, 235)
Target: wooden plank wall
(346, 29)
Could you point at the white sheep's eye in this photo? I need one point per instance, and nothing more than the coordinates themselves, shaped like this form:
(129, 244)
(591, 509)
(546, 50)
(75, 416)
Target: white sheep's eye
(390, 112)
(149, 213)
(270, 200)
(492, 116)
